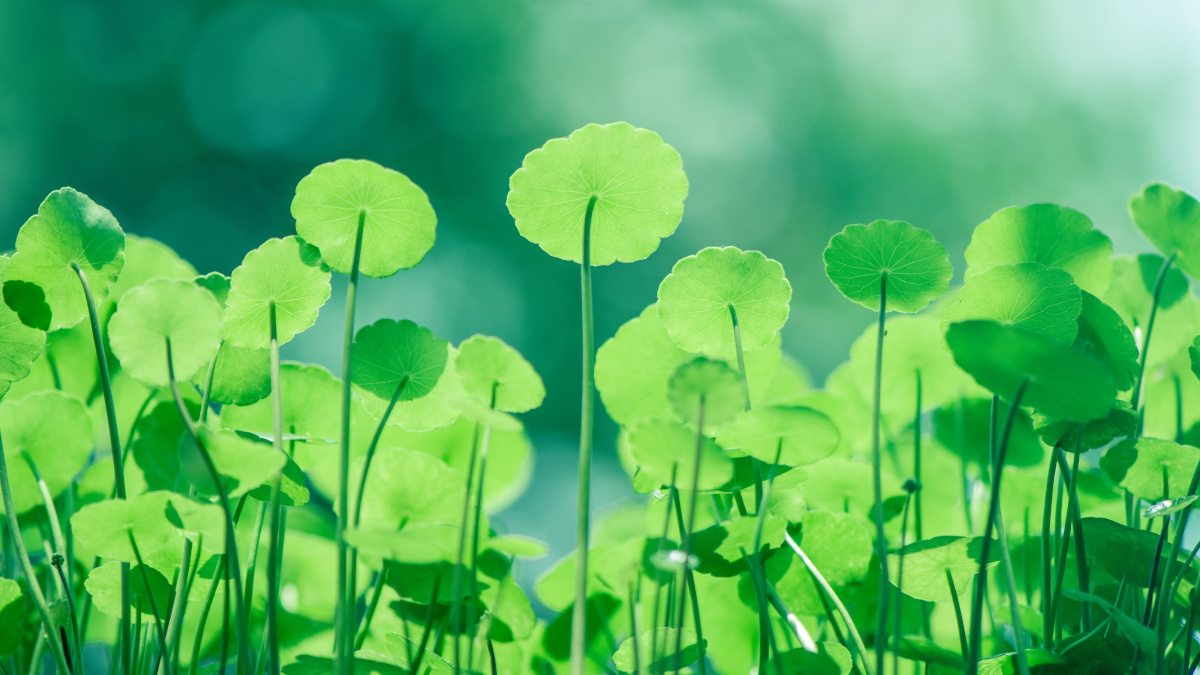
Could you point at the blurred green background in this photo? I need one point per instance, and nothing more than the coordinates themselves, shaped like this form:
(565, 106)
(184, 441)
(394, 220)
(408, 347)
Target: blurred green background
(192, 121)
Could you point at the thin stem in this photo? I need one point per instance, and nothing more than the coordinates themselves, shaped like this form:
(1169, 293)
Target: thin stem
(275, 547)
(958, 615)
(1047, 570)
(633, 629)
(376, 594)
(1158, 286)
(176, 617)
(477, 523)
(918, 517)
(899, 617)
(806, 641)
(686, 540)
(343, 622)
(425, 631)
(158, 621)
(833, 597)
(586, 421)
(205, 395)
(456, 604)
(881, 548)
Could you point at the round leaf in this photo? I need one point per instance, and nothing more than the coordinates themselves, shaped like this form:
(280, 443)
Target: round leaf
(397, 221)
(243, 464)
(662, 643)
(1043, 233)
(310, 405)
(285, 272)
(1061, 382)
(497, 374)
(147, 259)
(240, 376)
(636, 179)
(666, 449)
(964, 427)
(1132, 289)
(927, 562)
(1156, 461)
(22, 344)
(712, 382)
(12, 616)
(160, 310)
(1104, 335)
(398, 359)
(409, 487)
(69, 229)
(1120, 421)
(105, 526)
(917, 267)
(1030, 295)
(788, 435)
(697, 300)
(54, 430)
(1170, 219)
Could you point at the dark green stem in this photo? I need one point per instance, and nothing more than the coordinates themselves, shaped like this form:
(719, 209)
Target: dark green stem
(1047, 570)
(881, 548)
(158, 621)
(376, 594)
(958, 615)
(1158, 286)
(275, 546)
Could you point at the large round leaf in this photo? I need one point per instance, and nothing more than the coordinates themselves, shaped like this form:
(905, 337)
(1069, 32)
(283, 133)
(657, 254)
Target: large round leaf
(1043, 233)
(408, 487)
(964, 427)
(310, 405)
(398, 359)
(285, 272)
(926, 563)
(147, 259)
(69, 229)
(497, 374)
(1104, 335)
(636, 179)
(52, 429)
(105, 527)
(1120, 421)
(20, 345)
(1170, 219)
(1030, 295)
(697, 300)
(397, 221)
(1059, 381)
(663, 449)
(240, 376)
(712, 383)
(797, 436)
(243, 464)
(160, 310)
(917, 267)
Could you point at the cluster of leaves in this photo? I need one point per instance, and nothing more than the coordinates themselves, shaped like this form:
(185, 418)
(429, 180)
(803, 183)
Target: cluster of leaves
(176, 492)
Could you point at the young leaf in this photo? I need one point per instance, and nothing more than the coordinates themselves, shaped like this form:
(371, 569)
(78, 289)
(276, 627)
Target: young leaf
(286, 272)
(69, 229)
(1043, 233)
(917, 267)
(21, 344)
(161, 310)
(712, 382)
(788, 435)
(336, 198)
(637, 181)
(390, 353)
(927, 562)
(1132, 289)
(1158, 460)
(1059, 381)
(218, 284)
(663, 449)
(497, 374)
(1170, 219)
(105, 527)
(661, 642)
(309, 409)
(243, 464)
(1030, 295)
(147, 259)
(54, 430)
(697, 301)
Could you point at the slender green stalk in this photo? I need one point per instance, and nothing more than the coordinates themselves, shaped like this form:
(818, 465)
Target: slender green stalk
(456, 605)
(918, 514)
(586, 422)
(56, 531)
(962, 631)
(56, 561)
(343, 620)
(376, 594)
(767, 647)
(633, 628)
(158, 620)
(275, 547)
(881, 547)
(806, 641)
(252, 556)
(425, 631)
(477, 523)
(1047, 569)
(180, 599)
(205, 395)
(1135, 397)
(666, 532)
(685, 534)
(1076, 519)
(833, 597)
(898, 621)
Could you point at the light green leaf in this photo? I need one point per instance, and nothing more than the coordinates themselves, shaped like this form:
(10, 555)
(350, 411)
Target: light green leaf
(917, 267)
(198, 521)
(365, 662)
(147, 259)
(839, 545)
(12, 616)
(838, 484)
(243, 464)
(1120, 421)
(161, 310)
(1158, 461)
(292, 490)
(697, 301)
(21, 344)
(105, 526)
(1043, 233)
(1104, 335)
(662, 643)
(155, 445)
(52, 429)
(217, 284)
(636, 178)
(1030, 295)
(910, 347)
(712, 382)
(926, 563)
(104, 585)
(489, 368)
(310, 405)
(398, 359)
(518, 545)
(397, 221)
(788, 435)
(409, 487)
(1061, 382)
(69, 229)
(1170, 219)
(240, 377)
(1132, 289)
(285, 272)
(663, 449)
(963, 427)
(830, 659)
(416, 544)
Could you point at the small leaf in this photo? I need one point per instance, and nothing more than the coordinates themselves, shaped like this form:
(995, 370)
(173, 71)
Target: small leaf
(243, 464)
(1104, 335)
(714, 383)
(1168, 506)
(104, 585)
(52, 429)
(1158, 461)
(310, 405)
(12, 616)
(830, 659)
(666, 449)
(1041, 299)
(636, 179)
(1132, 289)
(69, 229)
(518, 545)
(926, 562)
(105, 527)
(217, 284)
(398, 223)
(21, 344)
(788, 435)
(147, 259)
(161, 310)
(286, 272)
(917, 267)
(408, 486)
(240, 376)
(292, 490)
(697, 301)
(416, 544)
(1120, 421)
(1170, 219)
(662, 643)
(155, 444)
(489, 368)
(963, 427)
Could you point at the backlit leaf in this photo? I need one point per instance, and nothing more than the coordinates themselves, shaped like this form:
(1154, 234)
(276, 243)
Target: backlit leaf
(52, 429)
(663, 449)
(926, 563)
(917, 267)
(160, 310)
(489, 368)
(286, 272)
(1030, 295)
(1170, 219)
(105, 527)
(788, 435)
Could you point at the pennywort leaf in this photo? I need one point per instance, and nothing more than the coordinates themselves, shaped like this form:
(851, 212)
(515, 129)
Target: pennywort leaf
(860, 256)
(1030, 295)
(54, 431)
(498, 375)
(284, 272)
(1170, 219)
(160, 310)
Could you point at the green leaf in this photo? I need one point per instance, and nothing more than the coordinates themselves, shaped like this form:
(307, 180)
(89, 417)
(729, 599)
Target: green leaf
(365, 662)
(105, 526)
(910, 348)
(69, 229)
(661, 642)
(386, 353)
(12, 616)
(416, 544)
(155, 445)
(697, 301)
(147, 259)
(21, 344)
(1130, 627)
(497, 374)
(104, 585)
(161, 310)
(838, 484)
(1061, 382)
(1194, 356)
(52, 429)
(1170, 219)
(1123, 552)
(636, 179)
(218, 284)
(398, 223)
(408, 487)
(518, 545)
(1168, 506)
(839, 545)
(788, 435)
(720, 547)
(666, 449)
(926, 563)
(1132, 289)
(921, 648)
(830, 659)
(310, 405)
(963, 427)
(198, 521)
(243, 464)
(1030, 295)
(1104, 335)
(917, 267)
(1043, 233)
(1158, 461)
(292, 490)
(286, 272)
(712, 382)
(1120, 421)
(240, 377)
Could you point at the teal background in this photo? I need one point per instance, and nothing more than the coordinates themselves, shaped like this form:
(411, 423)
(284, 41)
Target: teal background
(192, 121)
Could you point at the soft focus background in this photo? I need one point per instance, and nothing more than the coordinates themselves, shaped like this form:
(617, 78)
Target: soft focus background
(192, 121)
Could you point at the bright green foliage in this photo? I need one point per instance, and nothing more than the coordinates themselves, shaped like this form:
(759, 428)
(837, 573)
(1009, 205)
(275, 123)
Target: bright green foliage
(1105, 336)
(104, 585)
(712, 382)
(1043, 233)
(963, 427)
(788, 435)
(160, 310)
(1132, 290)
(411, 487)
(105, 527)
(1168, 506)
(240, 376)
(1120, 421)
(839, 545)
(839, 484)
(201, 522)
(926, 563)
(666, 449)
(398, 359)
(1194, 356)
(218, 284)
(830, 659)
(1122, 552)
(285, 272)
(155, 444)
(662, 643)
(22, 344)
(498, 375)
(518, 545)
(309, 405)
(397, 221)
(12, 616)
(1030, 295)
(860, 256)
(54, 431)
(147, 259)
(720, 547)
(243, 464)
(1155, 462)
(416, 544)
(636, 179)
(1170, 219)
(697, 301)
(1060, 381)
(69, 229)
(908, 343)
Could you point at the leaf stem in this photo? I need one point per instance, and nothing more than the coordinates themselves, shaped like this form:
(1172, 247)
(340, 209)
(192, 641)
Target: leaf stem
(158, 621)
(833, 597)
(275, 545)
(1135, 397)
(958, 615)
(1047, 570)
(881, 547)
(686, 540)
